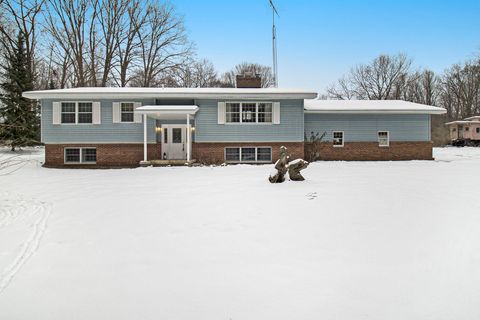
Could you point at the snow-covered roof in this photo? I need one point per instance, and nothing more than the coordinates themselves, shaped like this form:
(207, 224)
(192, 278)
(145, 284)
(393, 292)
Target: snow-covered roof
(474, 118)
(462, 122)
(191, 93)
(369, 106)
(168, 109)
(168, 112)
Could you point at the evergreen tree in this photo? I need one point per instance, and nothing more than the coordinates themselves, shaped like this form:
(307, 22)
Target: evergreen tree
(19, 115)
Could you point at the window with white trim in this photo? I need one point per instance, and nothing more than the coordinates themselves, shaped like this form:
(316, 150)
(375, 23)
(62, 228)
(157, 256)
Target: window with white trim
(76, 112)
(383, 139)
(80, 155)
(338, 140)
(69, 112)
(248, 154)
(248, 112)
(127, 112)
(85, 112)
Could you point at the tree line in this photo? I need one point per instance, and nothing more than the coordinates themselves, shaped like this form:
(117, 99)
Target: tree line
(78, 43)
(391, 77)
(56, 44)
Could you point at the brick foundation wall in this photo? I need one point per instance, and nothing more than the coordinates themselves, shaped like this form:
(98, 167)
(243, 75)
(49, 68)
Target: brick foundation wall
(130, 155)
(370, 151)
(108, 155)
(214, 153)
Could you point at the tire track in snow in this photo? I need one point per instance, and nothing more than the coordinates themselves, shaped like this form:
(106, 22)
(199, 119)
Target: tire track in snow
(39, 212)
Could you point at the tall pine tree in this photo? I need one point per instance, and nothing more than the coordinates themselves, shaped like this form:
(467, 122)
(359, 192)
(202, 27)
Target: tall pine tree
(20, 125)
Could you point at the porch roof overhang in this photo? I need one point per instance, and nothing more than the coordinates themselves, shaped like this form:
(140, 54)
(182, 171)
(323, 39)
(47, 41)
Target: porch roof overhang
(167, 112)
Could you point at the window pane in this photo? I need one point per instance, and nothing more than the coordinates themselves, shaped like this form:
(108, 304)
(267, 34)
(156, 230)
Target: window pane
(84, 118)
(127, 107)
(84, 107)
(232, 154)
(68, 117)
(72, 155)
(233, 107)
(264, 154)
(248, 154)
(89, 155)
(265, 112)
(232, 117)
(165, 135)
(127, 117)
(249, 112)
(176, 135)
(232, 113)
(264, 107)
(264, 117)
(68, 107)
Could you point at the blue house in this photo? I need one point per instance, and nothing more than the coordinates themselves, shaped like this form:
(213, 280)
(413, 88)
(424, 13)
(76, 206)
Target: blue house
(109, 127)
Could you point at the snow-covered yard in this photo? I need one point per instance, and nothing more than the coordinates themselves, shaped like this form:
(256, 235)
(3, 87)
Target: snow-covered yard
(357, 240)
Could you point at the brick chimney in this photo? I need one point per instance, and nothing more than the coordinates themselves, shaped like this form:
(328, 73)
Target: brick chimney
(249, 80)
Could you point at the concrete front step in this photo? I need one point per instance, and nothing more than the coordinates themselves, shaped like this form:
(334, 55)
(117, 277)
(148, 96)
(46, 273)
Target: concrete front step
(166, 163)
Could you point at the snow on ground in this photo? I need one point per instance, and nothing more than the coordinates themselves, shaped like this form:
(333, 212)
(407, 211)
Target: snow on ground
(357, 240)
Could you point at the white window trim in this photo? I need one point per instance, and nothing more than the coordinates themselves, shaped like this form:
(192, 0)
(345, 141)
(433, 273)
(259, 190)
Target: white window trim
(133, 103)
(76, 113)
(343, 139)
(388, 139)
(240, 154)
(81, 156)
(256, 113)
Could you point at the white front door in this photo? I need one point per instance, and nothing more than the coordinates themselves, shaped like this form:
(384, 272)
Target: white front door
(175, 141)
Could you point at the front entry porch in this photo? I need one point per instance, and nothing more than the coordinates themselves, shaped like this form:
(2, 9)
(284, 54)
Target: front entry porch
(176, 138)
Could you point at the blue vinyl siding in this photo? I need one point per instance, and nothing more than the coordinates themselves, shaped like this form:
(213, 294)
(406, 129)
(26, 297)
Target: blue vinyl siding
(290, 128)
(106, 132)
(364, 127)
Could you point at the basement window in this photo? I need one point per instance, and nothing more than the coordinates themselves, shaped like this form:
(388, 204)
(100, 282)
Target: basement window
(248, 154)
(338, 139)
(80, 155)
(383, 139)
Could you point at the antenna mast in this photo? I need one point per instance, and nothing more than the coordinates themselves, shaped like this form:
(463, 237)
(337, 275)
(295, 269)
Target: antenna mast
(274, 44)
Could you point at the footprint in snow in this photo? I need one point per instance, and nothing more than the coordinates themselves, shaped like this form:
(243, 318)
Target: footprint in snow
(311, 195)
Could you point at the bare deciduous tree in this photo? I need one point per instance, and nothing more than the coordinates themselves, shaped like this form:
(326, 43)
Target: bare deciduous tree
(460, 90)
(382, 79)
(68, 22)
(228, 78)
(128, 42)
(196, 74)
(163, 44)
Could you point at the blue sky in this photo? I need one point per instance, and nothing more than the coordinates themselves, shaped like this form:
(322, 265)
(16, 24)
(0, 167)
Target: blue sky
(318, 41)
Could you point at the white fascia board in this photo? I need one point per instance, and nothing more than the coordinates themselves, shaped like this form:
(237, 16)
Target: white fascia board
(118, 95)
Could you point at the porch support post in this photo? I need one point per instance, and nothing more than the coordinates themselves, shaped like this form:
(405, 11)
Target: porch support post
(144, 137)
(188, 137)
